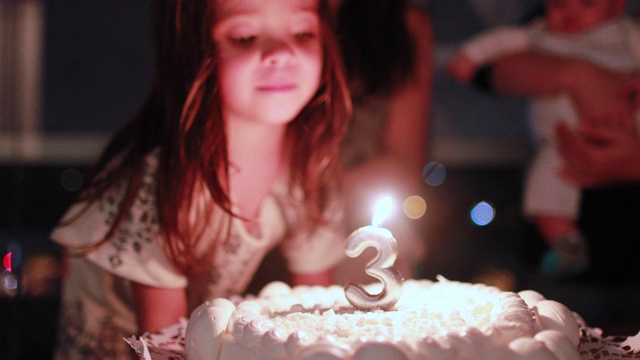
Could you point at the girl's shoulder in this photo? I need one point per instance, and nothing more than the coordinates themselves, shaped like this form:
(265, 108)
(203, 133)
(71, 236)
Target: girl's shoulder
(133, 249)
(86, 222)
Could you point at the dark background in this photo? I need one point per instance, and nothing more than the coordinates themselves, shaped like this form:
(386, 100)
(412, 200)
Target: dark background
(96, 71)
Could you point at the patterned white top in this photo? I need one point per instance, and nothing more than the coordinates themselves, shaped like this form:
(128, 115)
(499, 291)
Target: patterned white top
(97, 305)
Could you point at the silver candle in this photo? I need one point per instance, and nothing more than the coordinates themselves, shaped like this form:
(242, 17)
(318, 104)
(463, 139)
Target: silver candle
(380, 267)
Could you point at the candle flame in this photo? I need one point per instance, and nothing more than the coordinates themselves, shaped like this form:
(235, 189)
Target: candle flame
(382, 210)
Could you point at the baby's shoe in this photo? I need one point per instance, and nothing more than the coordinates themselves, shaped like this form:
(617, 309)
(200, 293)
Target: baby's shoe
(567, 257)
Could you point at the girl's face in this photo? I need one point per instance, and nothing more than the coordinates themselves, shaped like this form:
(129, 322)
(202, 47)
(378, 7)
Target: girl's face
(575, 16)
(270, 57)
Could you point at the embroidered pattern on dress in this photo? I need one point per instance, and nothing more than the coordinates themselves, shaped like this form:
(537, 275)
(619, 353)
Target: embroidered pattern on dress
(233, 244)
(75, 342)
(140, 226)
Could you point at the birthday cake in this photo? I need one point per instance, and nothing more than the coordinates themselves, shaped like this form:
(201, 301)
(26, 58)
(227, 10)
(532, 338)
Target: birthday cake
(432, 320)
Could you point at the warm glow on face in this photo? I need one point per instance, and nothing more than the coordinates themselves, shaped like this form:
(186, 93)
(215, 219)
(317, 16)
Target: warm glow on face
(382, 210)
(270, 58)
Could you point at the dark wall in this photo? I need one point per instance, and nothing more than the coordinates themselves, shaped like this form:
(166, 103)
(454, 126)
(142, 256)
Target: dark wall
(97, 65)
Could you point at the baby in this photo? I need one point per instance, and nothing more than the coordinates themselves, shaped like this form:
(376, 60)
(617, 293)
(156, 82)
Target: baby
(593, 31)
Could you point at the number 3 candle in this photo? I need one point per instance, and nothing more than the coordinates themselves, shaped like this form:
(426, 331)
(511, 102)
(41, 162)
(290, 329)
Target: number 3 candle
(380, 267)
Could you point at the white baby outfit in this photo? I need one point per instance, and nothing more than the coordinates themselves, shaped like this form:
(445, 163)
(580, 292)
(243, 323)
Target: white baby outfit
(615, 46)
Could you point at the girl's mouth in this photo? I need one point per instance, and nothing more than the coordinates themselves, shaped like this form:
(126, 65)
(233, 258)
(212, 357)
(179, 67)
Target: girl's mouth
(277, 87)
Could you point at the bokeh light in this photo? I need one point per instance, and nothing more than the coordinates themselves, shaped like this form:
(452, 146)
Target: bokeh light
(434, 173)
(16, 253)
(482, 213)
(501, 278)
(9, 283)
(414, 207)
(6, 261)
(71, 179)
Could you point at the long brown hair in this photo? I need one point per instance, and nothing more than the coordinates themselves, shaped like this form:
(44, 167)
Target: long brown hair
(182, 117)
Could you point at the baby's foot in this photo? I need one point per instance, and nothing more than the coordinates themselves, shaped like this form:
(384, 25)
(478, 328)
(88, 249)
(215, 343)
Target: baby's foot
(567, 257)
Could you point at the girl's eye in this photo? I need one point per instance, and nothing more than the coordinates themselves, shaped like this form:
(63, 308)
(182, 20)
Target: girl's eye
(243, 41)
(304, 35)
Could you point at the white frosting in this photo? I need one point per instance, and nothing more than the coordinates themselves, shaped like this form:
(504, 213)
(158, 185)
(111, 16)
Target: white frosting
(553, 315)
(210, 318)
(432, 320)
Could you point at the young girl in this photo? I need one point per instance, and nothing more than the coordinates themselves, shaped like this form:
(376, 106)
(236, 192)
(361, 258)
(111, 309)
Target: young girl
(233, 153)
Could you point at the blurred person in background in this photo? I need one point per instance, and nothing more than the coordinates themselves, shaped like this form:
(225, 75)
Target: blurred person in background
(596, 32)
(387, 47)
(601, 155)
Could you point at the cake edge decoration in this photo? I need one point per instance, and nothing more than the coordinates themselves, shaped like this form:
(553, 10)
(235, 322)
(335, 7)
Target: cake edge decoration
(528, 327)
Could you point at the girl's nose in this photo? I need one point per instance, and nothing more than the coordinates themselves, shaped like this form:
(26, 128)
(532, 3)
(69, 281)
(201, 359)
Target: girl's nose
(277, 52)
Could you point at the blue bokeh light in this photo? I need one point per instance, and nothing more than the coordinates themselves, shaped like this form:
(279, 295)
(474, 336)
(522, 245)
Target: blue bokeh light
(434, 173)
(482, 213)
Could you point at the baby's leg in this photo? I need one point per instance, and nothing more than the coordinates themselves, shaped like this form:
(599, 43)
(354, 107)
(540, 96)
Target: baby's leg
(547, 195)
(553, 227)
(552, 205)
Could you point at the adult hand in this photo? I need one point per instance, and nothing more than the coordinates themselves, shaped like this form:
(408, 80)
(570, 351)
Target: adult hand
(598, 156)
(632, 91)
(601, 97)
